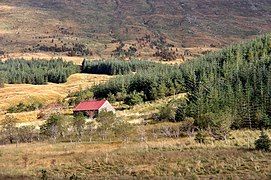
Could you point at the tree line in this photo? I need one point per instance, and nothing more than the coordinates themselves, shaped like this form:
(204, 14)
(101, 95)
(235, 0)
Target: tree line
(140, 81)
(151, 84)
(116, 67)
(36, 71)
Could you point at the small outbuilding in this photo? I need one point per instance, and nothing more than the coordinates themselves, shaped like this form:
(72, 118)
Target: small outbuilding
(93, 107)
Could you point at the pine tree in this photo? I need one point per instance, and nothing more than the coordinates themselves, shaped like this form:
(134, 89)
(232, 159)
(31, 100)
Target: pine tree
(162, 90)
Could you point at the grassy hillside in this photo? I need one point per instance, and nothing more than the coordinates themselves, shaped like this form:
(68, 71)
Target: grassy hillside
(96, 23)
(12, 94)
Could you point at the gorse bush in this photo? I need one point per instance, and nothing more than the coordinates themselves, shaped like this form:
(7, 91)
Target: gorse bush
(21, 107)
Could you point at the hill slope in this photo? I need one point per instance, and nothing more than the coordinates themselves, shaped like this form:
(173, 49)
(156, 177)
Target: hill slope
(99, 22)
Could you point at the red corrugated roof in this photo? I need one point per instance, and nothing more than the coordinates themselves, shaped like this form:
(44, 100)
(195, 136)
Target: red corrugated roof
(89, 105)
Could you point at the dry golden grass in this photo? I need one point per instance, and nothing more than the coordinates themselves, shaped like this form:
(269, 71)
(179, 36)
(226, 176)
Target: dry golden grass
(6, 8)
(138, 113)
(47, 56)
(13, 94)
(24, 116)
(169, 158)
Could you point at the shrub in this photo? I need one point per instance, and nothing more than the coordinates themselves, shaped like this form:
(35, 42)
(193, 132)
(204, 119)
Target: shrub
(262, 120)
(21, 107)
(27, 134)
(120, 96)
(77, 97)
(221, 125)
(111, 98)
(181, 111)
(54, 127)
(171, 131)
(133, 99)
(188, 126)
(122, 130)
(2, 80)
(263, 143)
(105, 117)
(106, 121)
(9, 129)
(201, 137)
(159, 130)
(205, 121)
(44, 174)
(79, 124)
(167, 113)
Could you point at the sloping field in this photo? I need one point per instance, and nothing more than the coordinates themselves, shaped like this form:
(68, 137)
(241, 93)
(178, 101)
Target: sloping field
(45, 56)
(13, 94)
(138, 113)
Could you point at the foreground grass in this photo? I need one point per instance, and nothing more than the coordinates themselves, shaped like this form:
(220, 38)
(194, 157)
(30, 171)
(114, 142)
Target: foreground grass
(182, 157)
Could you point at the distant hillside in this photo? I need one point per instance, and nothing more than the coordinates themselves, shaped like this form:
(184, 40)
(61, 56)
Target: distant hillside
(27, 25)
